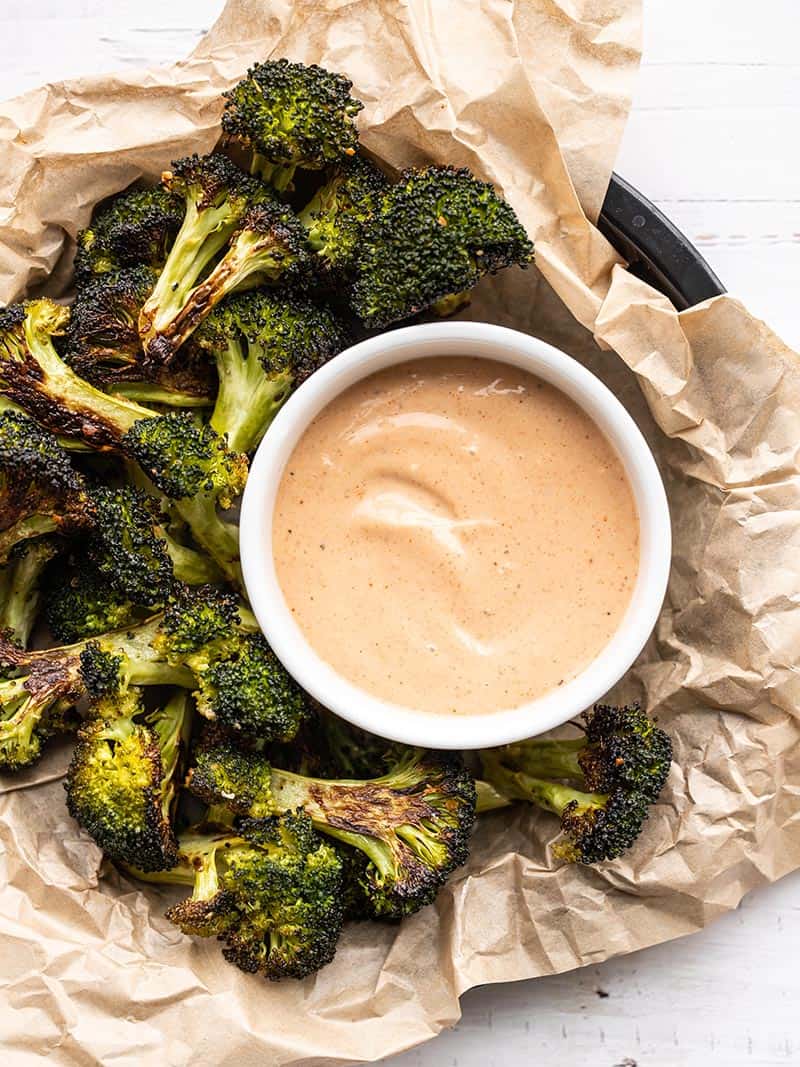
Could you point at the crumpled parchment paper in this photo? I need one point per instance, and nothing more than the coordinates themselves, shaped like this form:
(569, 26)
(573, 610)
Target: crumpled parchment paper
(532, 95)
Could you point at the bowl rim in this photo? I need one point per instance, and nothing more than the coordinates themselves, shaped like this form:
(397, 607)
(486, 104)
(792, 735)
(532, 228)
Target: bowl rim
(424, 728)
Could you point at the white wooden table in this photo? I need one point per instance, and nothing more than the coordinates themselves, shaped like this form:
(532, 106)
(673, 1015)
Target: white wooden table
(714, 139)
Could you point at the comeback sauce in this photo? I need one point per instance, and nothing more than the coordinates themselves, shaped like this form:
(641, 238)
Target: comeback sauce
(455, 536)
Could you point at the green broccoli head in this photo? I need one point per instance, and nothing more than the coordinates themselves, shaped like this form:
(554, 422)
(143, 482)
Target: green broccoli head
(122, 781)
(126, 549)
(21, 581)
(264, 344)
(435, 233)
(600, 785)
(250, 692)
(203, 619)
(215, 195)
(40, 490)
(37, 695)
(337, 215)
(134, 228)
(81, 603)
(185, 459)
(412, 824)
(291, 116)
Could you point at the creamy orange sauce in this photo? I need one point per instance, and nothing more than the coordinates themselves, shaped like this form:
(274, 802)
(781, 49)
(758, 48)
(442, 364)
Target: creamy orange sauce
(455, 536)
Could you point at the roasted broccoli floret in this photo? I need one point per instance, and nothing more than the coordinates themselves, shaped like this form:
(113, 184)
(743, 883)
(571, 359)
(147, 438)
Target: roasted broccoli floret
(122, 782)
(291, 116)
(601, 785)
(413, 823)
(20, 587)
(271, 892)
(102, 344)
(134, 228)
(37, 694)
(41, 493)
(241, 684)
(187, 461)
(267, 246)
(435, 234)
(215, 194)
(264, 344)
(80, 602)
(337, 215)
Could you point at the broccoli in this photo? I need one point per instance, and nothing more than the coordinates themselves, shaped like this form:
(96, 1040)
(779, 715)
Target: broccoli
(241, 684)
(186, 461)
(80, 603)
(139, 559)
(102, 344)
(413, 823)
(122, 782)
(291, 116)
(264, 344)
(216, 194)
(434, 234)
(134, 228)
(337, 215)
(37, 694)
(621, 764)
(270, 891)
(40, 491)
(20, 587)
(268, 245)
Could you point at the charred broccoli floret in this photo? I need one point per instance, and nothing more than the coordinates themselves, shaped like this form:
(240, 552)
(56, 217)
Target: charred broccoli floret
(41, 493)
(337, 215)
(291, 116)
(102, 344)
(21, 587)
(413, 823)
(80, 603)
(271, 892)
(122, 782)
(134, 228)
(434, 234)
(267, 246)
(264, 344)
(601, 785)
(215, 194)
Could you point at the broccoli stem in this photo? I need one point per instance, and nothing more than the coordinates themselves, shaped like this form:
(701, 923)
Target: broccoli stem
(549, 758)
(20, 592)
(146, 666)
(25, 530)
(279, 176)
(548, 795)
(201, 237)
(151, 393)
(189, 565)
(488, 798)
(248, 400)
(219, 538)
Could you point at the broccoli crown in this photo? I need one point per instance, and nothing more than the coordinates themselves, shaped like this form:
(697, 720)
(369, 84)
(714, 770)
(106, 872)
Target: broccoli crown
(33, 376)
(435, 233)
(224, 769)
(271, 893)
(134, 228)
(102, 670)
(81, 603)
(37, 694)
(198, 618)
(210, 181)
(336, 216)
(103, 327)
(293, 115)
(625, 750)
(413, 824)
(126, 549)
(600, 785)
(249, 691)
(120, 784)
(185, 459)
(40, 491)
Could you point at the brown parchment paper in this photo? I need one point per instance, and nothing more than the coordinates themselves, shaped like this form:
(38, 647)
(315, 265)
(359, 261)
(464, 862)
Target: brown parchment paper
(532, 96)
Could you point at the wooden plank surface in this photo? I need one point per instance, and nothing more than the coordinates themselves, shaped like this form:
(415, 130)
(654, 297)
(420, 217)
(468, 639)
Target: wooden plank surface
(713, 140)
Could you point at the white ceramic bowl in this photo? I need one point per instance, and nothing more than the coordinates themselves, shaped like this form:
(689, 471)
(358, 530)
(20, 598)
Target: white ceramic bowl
(423, 727)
